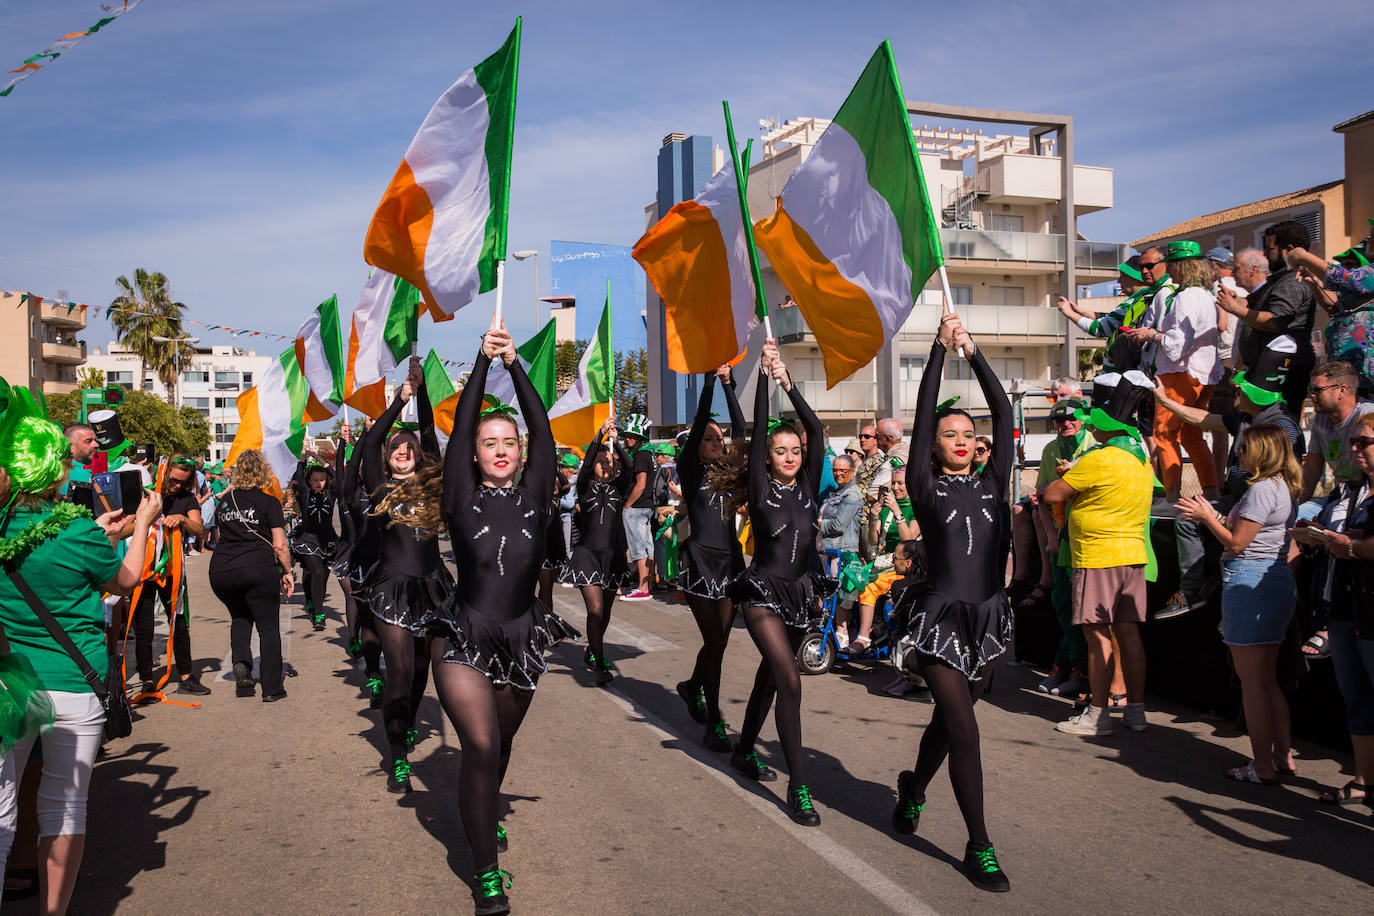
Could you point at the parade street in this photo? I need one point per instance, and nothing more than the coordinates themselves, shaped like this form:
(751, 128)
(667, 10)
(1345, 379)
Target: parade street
(613, 805)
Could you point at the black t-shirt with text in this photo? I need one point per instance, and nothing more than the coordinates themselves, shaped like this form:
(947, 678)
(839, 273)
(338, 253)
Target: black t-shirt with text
(246, 519)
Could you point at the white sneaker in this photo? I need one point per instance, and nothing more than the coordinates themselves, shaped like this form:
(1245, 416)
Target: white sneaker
(1091, 723)
(1134, 718)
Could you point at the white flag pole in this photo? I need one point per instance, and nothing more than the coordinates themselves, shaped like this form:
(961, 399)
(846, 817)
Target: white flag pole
(500, 289)
(944, 282)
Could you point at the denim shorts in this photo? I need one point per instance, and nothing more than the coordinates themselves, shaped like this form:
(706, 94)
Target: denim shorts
(639, 535)
(1353, 660)
(1257, 601)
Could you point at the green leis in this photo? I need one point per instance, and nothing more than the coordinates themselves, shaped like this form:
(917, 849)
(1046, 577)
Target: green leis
(13, 550)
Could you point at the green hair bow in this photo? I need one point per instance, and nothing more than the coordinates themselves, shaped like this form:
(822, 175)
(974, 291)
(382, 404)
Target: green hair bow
(775, 423)
(493, 406)
(946, 405)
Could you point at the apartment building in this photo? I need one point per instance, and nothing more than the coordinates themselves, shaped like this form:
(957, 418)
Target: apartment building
(1005, 228)
(218, 375)
(38, 343)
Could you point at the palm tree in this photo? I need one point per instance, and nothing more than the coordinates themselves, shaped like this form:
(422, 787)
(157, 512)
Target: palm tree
(152, 313)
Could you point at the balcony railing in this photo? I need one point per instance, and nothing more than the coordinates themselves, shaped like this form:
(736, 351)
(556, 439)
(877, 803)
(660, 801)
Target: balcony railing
(1002, 321)
(63, 314)
(846, 397)
(1027, 248)
(73, 352)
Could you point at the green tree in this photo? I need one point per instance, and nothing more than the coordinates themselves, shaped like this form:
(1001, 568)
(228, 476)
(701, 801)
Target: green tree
(145, 419)
(195, 432)
(90, 377)
(566, 356)
(144, 311)
(632, 382)
(1090, 362)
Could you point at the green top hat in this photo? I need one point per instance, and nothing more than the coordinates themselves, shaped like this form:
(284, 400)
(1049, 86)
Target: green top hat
(1263, 382)
(567, 460)
(634, 424)
(1178, 251)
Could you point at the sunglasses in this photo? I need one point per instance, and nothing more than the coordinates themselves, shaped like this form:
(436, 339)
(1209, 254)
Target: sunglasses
(980, 451)
(1318, 389)
(867, 436)
(1360, 443)
(1146, 265)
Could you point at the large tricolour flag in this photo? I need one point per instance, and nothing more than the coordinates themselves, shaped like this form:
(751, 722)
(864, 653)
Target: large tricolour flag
(854, 238)
(442, 222)
(697, 258)
(319, 350)
(578, 414)
(381, 334)
(270, 416)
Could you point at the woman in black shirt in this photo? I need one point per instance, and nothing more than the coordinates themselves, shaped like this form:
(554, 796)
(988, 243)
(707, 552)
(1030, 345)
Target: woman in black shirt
(597, 565)
(250, 571)
(711, 557)
(488, 667)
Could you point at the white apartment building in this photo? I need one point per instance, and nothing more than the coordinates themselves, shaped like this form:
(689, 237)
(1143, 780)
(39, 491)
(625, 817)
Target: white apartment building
(218, 375)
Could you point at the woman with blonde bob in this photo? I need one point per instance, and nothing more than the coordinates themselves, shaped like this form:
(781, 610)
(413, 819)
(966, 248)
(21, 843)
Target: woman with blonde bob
(250, 571)
(1258, 592)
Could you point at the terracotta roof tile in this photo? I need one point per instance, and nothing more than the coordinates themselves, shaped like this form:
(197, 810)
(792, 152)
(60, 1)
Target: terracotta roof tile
(1244, 211)
(1358, 119)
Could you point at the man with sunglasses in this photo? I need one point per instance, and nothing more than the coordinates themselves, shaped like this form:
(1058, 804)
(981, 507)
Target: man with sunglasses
(164, 580)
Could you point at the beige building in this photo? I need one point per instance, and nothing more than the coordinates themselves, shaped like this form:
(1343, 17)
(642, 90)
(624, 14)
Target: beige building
(38, 345)
(1003, 216)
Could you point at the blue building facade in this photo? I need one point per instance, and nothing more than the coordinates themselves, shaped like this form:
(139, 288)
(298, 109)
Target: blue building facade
(582, 270)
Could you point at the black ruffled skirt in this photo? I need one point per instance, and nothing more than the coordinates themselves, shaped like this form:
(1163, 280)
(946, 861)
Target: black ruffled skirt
(596, 567)
(794, 600)
(962, 635)
(310, 545)
(414, 602)
(707, 571)
(509, 652)
(555, 546)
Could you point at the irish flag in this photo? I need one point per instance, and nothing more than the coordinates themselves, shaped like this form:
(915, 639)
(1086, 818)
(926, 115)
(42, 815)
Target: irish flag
(854, 238)
(442, 222)
(382, 332)
(270, 416)
(697, 258)
(579, 413)
(443, 394)
(319, 351)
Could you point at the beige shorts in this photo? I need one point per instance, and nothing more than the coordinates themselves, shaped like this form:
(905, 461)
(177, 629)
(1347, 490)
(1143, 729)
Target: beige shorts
(1113, 594)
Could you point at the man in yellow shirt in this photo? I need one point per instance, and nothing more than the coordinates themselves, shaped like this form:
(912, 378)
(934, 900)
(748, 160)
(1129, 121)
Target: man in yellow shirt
(1110, 488)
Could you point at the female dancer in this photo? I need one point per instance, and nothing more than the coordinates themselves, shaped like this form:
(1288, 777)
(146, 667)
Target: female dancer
(711, 558)
(597, 564)
(353, 560)
(497, 630)
(778, 592)
(409, 583)
(314, 542)
(959, 616)
(555, 545)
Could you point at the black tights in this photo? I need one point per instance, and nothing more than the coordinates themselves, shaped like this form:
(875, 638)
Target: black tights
(315, 576)
(778, 675)
(713, 620)
(598, 601)
(546, 588)
(486, 718)
(360, 622)
(407, 674)
(953, 732)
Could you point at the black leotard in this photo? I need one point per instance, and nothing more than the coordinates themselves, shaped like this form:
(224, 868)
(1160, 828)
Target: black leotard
(960, 614)
(783, 519)
(711, 557)
(599, 557)
(315, 536)
(497, 624)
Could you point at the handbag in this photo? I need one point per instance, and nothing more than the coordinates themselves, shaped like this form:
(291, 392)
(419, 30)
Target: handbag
(119, 715)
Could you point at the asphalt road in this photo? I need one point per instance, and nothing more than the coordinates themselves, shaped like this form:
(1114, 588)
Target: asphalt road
(613, 805)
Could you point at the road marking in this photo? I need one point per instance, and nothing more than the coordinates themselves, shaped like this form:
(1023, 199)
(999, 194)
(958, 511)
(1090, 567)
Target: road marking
(619, 632)
(896, 897)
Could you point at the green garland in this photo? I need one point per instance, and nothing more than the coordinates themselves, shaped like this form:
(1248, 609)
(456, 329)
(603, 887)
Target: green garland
(13, 550)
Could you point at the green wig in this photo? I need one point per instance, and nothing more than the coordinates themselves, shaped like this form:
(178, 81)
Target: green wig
(33, 450)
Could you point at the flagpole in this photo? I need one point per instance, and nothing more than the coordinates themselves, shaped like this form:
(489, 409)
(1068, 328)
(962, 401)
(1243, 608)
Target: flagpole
(946, 309)
(741, 169)
(500, 289)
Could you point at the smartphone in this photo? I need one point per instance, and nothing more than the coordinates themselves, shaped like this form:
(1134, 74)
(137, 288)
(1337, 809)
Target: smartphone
(106, 495)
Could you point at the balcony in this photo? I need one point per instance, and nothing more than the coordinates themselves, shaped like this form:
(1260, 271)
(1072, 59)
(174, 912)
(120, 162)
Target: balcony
(846, 397)
(54, 386)
(1015, 178)
(59, 313)
(1005, 323)
(73, 352)
(1028, 248)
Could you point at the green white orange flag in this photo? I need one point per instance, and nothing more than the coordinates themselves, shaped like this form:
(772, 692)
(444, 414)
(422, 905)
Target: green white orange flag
(854, 238)
(697, 258)
(538, 353)
(270, 417)
(578, 414)
(381, 335)
(443, 394)
(442, 222)
(319, 351)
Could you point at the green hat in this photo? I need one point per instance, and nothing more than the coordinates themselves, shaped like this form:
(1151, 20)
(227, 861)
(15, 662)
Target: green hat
(1263, 382)
(634, 424)
(1178, 251)
(1065, 408)
(567, 460)
(1126, 268)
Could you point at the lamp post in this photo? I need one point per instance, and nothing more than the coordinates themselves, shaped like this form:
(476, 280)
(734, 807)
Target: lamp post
(521, 255)
(185, 340)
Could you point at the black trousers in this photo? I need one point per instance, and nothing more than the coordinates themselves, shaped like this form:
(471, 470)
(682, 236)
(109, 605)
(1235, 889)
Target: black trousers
(253, 598)
(143, 631)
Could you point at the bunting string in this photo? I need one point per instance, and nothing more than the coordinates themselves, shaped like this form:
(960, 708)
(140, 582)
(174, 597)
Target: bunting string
(52, 52)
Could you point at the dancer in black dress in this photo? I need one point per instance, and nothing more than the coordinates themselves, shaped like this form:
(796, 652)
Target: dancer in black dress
(555, 545)
(409, 584)
(959, 619)
(313, 543)
(711, 558)
(597, 564)
(778, 592)
(354, 558)
(487, 669)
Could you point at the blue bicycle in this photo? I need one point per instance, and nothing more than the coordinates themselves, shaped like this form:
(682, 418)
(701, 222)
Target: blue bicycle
(820, 649)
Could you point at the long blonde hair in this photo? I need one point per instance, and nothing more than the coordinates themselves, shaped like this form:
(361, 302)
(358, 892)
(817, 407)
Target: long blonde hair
(252, 472)
(1270, 454)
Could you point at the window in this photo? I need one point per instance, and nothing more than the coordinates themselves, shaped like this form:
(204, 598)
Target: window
(1005, 368)
(909, 368)
(957, 369)
(961, 294)
(1228, 242)
(1006, 295)
(195, 376)
(1006, 222)
(200, 404)
(226, 381)
(125, 378)
(225, 403)
(247, 380)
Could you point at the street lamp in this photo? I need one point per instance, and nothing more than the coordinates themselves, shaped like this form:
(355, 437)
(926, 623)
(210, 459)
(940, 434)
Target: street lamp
(521, 255)
(185, 339)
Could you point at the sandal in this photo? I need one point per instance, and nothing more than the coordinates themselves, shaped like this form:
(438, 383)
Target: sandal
(1117, 700)
(1247, 773)
(860, 645)
(1343, 796)
(1282, 770)
(1319, 644)
(1037, 595)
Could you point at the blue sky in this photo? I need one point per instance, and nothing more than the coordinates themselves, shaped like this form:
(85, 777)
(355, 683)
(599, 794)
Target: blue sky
(241, 148)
